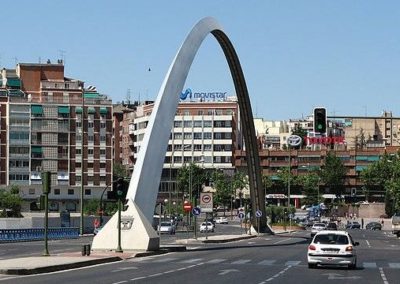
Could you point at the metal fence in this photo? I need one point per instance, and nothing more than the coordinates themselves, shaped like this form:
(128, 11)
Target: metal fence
(37, 234)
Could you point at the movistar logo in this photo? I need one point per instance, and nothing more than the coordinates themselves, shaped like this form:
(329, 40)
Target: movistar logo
(184, 95)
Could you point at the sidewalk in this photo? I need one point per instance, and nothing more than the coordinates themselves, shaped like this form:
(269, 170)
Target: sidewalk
(64, 261)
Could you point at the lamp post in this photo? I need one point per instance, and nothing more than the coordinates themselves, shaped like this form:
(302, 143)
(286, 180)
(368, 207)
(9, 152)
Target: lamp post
(81, 225)
(289, 177)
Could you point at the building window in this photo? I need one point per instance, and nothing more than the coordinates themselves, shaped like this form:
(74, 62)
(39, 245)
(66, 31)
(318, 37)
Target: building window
(197, 123)
(90, 151)
(102, 138)
(200, 112)
(88, 191)
(79, 151)
(90, 124)
(102, 152)
(177, 135)
(197, 135)
(102, 125)
(177, 159)
(207, 147)
(177, 123)
(178, 147)
(207, 135)
(210, 112)
(188, 135)
(90, 138)
(187, 123)
(70, 191)
(57, 191)
(207, 123)
(78, 165)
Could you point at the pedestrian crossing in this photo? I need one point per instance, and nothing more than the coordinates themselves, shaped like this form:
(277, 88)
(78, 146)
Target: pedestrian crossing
(264, 262)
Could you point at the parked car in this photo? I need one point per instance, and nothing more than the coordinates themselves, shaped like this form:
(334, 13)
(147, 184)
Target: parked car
(353, 225)
(166, 228)
(206, 227)
(317, 227)
(221, 220)
(332, 248)
(373, 226)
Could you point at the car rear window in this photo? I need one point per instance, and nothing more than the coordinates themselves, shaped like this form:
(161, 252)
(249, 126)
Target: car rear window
(331, 239)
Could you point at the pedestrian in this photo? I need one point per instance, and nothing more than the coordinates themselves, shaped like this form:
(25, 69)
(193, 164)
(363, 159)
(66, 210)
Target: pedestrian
(362, 223)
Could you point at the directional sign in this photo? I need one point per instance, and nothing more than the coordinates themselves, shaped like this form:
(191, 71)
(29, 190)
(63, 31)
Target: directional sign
(206, 202)
(196, 211)
(258, 213)
(241, 215)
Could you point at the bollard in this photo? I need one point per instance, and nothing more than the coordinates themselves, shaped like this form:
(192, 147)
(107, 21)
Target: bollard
(88, 249)
(83, 250)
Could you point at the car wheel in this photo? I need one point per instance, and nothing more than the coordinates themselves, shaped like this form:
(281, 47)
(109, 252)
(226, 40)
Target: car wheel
(353, 265)
(312, 265)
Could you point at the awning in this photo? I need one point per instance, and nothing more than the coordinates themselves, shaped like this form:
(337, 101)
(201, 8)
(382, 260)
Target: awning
(78, 109)
(91, 95)
(91, 110)
(63, 109)
(37, 149)
(37, 109)
(14, 82)
(103, 110)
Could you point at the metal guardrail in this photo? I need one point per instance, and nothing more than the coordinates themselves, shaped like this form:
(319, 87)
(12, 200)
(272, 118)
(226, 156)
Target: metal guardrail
(37, 234)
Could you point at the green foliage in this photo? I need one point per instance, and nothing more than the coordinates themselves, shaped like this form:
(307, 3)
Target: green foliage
(310, 184)
(91, 206)
(10, 203)
(119, 171)
(191, 177)
(333, 174)
(279, 214)
(223, 186)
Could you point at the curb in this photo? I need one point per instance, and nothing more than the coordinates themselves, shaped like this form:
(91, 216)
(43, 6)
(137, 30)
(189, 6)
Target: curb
(229, 240)
(53, 268)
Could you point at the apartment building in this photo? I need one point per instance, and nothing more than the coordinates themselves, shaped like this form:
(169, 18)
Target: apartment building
(53, 123)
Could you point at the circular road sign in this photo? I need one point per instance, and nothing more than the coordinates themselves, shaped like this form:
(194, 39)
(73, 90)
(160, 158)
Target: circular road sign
(258, 213)
(206, 198)
(241, 215)
(196, 211)
(294, 140)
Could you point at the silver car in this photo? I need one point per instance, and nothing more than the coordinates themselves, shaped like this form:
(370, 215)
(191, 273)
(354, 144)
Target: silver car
(332, 248)
(317, 227)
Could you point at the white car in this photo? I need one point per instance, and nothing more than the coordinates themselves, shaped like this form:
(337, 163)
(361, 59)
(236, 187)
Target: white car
(166, 228)
(221, 220)
(332, 248)
(206, 227)
(317, 227)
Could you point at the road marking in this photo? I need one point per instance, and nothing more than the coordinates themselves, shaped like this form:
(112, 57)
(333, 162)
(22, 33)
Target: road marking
(226, 271)
(120, 282)
(267, 262)
(394, 265)
(383, 276)
(368, 243)
(369, 265)
(292, 263)
(337, 276)
(123, 269)
(276, 275)
(191, 260)
(241, 261)
(281, 241)
(217, 260)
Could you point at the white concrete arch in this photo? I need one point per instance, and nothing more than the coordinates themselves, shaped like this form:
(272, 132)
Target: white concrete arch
(143, 188)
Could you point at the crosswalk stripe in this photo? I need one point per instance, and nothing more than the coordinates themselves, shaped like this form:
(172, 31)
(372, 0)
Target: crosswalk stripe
(369, 265)
(267, 262)
(217, 260)
(191, 260)
(394, 265)
(292, 263)
(241, 261)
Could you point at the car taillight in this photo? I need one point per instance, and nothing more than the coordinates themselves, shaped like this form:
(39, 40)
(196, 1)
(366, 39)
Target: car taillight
(312, 247)
(349, 248)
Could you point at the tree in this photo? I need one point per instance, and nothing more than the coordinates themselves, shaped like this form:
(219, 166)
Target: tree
(119, 171)
(333, 174)
(191, 177)
(223, 187)
(10, 203)
(310, 184)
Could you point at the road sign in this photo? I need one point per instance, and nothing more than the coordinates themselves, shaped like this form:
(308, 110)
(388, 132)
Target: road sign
(258, 213)
(206, 202)
(241, 215)
(187, 206)
(196, 211)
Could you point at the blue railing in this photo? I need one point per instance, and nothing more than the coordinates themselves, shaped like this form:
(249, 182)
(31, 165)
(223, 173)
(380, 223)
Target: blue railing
(37, 234)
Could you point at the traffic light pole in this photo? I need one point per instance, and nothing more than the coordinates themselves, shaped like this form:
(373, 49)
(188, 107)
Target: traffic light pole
(119, 249)
(46, 181)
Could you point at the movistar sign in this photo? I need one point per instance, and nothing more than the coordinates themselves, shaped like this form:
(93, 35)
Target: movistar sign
(202, 96)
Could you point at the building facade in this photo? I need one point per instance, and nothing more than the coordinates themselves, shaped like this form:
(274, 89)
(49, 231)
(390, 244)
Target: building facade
(53, 123)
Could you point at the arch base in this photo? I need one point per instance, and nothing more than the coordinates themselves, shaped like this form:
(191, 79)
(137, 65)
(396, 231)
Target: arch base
(136, 233)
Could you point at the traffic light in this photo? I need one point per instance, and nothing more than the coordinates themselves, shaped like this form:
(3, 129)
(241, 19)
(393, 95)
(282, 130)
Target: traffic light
(320, 120)
(119, 190)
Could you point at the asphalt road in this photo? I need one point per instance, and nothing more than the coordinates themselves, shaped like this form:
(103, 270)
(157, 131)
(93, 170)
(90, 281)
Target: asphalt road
(266, 259)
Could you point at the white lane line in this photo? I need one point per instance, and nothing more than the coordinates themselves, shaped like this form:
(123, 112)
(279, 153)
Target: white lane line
(217, 260)
(369, 264)
(167, 259)
(292, 263)
(383, 276)
(281, 241)
(191, 260)
(120, 282)
(267, 262)
(394, 265)
(241, 261)
(138, 278)
(276, 275)
(369, 245)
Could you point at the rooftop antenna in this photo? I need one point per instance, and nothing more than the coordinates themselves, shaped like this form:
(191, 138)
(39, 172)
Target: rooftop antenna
(62, 55)
(128, 96)
(16, 60)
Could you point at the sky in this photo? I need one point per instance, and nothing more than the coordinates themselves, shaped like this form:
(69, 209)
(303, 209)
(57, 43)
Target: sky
(296, 55)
